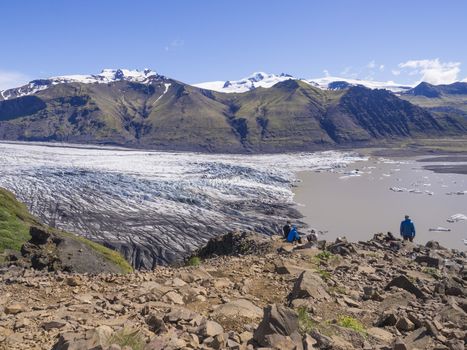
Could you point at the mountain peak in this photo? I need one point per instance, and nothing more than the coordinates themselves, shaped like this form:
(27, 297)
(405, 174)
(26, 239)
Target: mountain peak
(106, 76)
(125, 74)
(253, 81)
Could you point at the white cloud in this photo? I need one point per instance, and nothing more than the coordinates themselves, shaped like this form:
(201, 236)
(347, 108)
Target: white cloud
(11, 79)
(381, 67)
(396, 72)
(326, 73)
(174, 44)
(432, 71)
(371, 64)
(464, 80)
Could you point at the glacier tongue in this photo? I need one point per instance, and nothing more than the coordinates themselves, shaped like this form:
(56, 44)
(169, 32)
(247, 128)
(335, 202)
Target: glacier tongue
(156, 206)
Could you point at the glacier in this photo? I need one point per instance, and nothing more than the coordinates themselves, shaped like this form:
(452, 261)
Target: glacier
(153, 206)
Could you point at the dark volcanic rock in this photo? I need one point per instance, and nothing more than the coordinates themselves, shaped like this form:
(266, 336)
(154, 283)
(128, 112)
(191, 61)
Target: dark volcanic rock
(50, 251)
(277, 319)
(428, 260)
(236, 243)
(38, 235)
(404, 283)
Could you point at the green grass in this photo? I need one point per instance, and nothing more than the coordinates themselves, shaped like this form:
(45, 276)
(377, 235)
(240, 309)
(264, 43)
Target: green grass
(324, 255)
(351, 323)
(325, 275)
(15, 221)
(305, 323)
(432, 272)
(128, 337)
(193, 261)
(337, 290)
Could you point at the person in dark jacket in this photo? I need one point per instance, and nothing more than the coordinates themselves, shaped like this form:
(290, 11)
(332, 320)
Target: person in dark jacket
(286, 229)
(294, 236)
(407, 229)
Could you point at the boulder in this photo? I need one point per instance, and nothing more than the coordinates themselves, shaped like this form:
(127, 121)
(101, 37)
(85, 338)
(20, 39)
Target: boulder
(174, 298)
(404, 283)
(177, 314)
(381, 335)
(309, 285)
(278, 341)
(55, 324)
(404, 324)
(240, 307)
(418, 339)
(155, 323)
(14, 309)
(322, 341)
(211, 329)
(386, 319)
(453, 313)
(277, 319)
(429, 261)
(39, 235)
(434, 245)
(339, 343)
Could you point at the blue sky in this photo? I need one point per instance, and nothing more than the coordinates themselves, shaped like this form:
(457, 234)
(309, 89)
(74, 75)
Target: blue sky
(194, 41)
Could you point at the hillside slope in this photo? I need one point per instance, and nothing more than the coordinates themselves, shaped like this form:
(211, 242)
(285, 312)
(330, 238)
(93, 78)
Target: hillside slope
(50, 248)
(167, 114)
(264, 293)
(444, 100)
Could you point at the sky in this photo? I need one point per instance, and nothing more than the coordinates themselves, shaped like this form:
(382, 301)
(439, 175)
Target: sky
(204, 40)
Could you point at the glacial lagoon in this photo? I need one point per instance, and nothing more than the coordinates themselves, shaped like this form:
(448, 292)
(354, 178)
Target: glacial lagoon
(373, 196)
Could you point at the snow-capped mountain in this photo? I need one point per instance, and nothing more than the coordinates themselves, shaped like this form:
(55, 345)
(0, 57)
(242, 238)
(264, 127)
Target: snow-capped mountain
(338, 83)
(257, 79)
(106, 76)
(266, 80)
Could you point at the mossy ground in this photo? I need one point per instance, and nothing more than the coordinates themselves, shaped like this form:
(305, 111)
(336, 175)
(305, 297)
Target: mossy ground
(15, 221)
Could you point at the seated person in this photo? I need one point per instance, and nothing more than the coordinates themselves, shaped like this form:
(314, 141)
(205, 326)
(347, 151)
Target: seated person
(294, 236)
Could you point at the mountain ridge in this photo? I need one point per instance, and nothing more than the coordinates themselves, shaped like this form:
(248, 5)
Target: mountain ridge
(162, 113)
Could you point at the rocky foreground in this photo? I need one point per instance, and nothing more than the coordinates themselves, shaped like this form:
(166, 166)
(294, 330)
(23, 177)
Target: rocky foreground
(249, 292)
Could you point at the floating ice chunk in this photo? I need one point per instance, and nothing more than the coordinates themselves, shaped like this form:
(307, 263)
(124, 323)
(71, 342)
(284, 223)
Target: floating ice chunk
(439, 229)
(465, 241)
(410, 190)
(458, 193)
(398, 189)
(456, 218)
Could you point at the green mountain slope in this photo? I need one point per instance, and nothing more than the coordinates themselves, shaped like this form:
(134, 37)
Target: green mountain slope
(167, 114)
(443, 100)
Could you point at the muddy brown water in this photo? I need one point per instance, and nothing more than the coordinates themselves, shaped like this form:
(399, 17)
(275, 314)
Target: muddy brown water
(344, 204)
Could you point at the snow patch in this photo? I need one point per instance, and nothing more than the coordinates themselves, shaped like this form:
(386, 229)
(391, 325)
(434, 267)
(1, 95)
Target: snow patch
(266, 80)
(257, 79)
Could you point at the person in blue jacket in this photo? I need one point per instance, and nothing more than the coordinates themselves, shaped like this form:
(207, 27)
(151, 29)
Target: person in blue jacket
(293, 235)
(407, 229)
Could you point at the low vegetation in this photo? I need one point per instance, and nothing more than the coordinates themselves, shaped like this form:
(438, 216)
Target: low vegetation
(432, 272)
(325, 275)
(351, 323)
(193, 261)
(306, 323)
(15, 221)
(129, 338)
